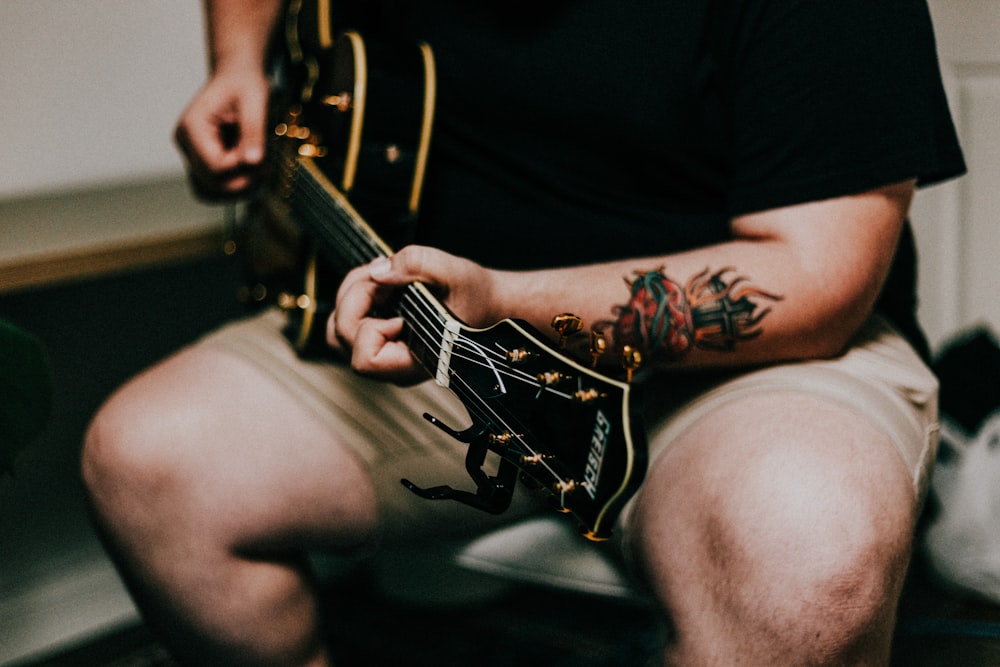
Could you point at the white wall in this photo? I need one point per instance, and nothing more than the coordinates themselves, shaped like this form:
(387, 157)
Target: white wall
(957, 229)
(90, 90)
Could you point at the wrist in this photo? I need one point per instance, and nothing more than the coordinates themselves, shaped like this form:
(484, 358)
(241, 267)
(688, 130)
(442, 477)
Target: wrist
(237, 61)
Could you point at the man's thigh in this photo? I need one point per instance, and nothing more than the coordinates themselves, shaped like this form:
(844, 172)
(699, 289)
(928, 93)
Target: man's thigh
(380, 425)
(782, 477)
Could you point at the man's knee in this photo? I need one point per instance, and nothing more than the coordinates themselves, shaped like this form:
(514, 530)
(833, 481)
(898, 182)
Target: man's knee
(132, 454)
(785, 544)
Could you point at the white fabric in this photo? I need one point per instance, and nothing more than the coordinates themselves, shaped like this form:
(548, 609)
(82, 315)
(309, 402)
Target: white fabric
(547, 551)
(963, 541)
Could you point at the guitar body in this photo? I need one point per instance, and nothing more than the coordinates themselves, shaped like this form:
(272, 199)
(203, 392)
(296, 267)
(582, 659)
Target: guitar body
(353, 148)
(363, 111)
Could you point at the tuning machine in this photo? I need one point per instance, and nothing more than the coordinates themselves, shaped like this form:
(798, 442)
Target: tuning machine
(566, 325)
(631, 361)
(598, 346)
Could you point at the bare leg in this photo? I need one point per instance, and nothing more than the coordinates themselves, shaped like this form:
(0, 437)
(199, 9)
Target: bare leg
(778, 532)
(208, 482)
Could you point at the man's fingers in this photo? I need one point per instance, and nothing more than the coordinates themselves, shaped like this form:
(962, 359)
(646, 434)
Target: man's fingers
(379, 352)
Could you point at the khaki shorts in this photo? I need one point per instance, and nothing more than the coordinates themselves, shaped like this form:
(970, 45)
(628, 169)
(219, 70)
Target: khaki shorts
(881, 378)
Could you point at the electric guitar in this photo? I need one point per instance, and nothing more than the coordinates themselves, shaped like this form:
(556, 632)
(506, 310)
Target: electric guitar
(348, 145)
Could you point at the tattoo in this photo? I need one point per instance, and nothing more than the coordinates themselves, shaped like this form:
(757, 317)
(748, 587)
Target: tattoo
(712, 311)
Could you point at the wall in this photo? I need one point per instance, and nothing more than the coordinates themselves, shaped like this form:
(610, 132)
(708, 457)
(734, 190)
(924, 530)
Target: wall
(90, 181)
(91, 90)
(956, 223)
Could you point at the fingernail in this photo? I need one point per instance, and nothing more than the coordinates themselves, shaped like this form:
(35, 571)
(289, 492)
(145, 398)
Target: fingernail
(379, 267)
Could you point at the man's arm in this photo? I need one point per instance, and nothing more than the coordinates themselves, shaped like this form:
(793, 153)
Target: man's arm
(222, 132)
(793, 283)
(239, 32)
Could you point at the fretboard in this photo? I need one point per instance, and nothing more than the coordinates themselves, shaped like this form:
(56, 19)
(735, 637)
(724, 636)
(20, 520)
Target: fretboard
(345, 240)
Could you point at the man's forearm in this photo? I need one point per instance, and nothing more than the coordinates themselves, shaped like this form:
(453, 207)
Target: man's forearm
(794, 283)
(239, 31)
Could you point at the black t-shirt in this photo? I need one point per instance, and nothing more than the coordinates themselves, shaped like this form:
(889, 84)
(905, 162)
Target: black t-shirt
(574, 131)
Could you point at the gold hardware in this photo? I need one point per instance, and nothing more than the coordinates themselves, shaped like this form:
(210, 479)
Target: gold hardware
(598, 345)
(341, 102)
(501, 438)
(566, 325)
(534, 459)
(292, 131)
(518, 355)
(586, 395)
(631, 361)
(549, 378)
(566, 486)
(312, 150)
(593, 537)
(288, 301)
(392, 153)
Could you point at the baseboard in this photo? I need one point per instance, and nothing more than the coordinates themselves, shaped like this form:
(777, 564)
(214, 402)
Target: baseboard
(52, 268)
(64, 236)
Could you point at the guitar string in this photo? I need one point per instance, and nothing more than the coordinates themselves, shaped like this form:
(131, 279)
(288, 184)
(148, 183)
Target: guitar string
(474, 352)
(358, 243)
(359, 250)
(469, 392)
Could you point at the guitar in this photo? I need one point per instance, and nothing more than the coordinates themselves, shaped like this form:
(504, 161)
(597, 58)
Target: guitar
(556, 424)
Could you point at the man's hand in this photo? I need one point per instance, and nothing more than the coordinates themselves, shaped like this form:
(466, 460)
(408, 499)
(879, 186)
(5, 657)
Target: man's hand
(373, 344)
(221, 134)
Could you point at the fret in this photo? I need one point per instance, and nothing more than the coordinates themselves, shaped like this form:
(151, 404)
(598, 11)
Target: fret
(347, 241)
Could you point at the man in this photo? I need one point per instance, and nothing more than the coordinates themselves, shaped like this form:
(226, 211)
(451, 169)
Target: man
(747, 167)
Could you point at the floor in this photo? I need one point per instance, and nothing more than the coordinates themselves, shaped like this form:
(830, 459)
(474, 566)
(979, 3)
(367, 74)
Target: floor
(61, 603)
(56, 585)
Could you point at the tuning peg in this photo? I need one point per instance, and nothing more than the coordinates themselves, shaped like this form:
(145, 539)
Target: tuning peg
(598, 345)
(549, 378)
(566, 325)
(518, 355)
(631, 361)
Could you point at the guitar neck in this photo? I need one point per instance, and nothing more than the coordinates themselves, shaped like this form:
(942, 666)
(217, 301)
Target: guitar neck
(343, 237)
(346, 241)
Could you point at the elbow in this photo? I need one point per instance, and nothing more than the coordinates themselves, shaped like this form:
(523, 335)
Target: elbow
(831, 336)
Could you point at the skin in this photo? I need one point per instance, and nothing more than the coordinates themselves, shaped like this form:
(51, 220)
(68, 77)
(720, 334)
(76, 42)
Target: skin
(797, 252)
(781, 542)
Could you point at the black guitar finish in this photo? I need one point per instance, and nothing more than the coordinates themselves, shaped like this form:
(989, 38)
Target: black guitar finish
(353, 149)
